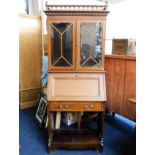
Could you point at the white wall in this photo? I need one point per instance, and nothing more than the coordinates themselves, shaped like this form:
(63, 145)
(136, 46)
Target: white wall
(34, 7)
(120, 22)
(21, 5)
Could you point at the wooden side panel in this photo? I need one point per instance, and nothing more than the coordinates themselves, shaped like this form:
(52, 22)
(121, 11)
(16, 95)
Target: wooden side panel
(76, 87)
(129, 109)
(109, 68)
(118, 87)
(121, 84)
(30, 52)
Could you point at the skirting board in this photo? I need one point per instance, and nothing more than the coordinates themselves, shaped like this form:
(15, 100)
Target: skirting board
(29, 104)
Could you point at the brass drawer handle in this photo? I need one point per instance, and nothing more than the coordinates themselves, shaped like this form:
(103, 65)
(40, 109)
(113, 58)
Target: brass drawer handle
(91, 105)
(88, 107)
(63, 106)
(66, 105)
(60, 106)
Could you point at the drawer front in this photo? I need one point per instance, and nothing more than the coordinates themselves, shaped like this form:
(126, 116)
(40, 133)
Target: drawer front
(72, 106)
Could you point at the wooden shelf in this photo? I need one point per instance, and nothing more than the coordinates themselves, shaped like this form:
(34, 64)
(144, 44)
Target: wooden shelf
(75, 139)
(116, 56)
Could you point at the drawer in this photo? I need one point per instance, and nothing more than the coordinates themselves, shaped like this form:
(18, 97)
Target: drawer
(76, 106)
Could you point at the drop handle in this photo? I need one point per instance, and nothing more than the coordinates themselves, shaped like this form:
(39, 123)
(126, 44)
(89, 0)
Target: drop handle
(91, 106)
(66, 105)
(87, 107)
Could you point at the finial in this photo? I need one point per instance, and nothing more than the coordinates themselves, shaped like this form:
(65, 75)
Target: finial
(46, 5)
(106, 5)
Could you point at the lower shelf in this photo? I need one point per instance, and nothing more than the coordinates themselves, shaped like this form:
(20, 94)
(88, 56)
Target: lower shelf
(75, 139)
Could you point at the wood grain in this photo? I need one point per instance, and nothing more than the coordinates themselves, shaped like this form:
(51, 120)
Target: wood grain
(30, 52)
(129, 109)
(118, 87)
(74, 107)
(109, 68)
(76, 87)
(121, 84)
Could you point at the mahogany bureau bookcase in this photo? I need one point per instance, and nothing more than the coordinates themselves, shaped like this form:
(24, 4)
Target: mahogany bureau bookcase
(76, 77)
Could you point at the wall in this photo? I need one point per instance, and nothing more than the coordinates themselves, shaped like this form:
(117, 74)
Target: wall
(34, 7)
(120, 22)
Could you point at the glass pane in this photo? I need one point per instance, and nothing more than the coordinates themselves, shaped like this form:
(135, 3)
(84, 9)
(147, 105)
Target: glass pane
(55, 45)
(61, 63)
(86, 48)
(61, 27)
(62, 44)
(91, 44)
(67, 45)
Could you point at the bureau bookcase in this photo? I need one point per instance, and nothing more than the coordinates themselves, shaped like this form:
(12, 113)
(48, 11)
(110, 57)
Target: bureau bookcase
(76, 77)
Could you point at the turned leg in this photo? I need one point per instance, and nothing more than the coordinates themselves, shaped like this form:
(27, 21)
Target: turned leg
(50, 129)
(100, 125)
(99, 148)
(52, 148)
(79, 120)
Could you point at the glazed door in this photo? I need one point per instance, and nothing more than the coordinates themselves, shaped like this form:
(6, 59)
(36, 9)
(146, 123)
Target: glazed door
(90, 41)
(61, 45)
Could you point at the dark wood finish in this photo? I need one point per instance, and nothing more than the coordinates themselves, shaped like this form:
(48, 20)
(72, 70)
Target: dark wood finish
(89, 117)
(75, 139)
(121, 84)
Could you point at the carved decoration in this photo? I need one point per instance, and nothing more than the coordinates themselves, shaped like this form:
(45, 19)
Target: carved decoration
(76, 10)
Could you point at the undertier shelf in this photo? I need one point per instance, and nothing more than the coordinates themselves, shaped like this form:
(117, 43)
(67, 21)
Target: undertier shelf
(76, 139)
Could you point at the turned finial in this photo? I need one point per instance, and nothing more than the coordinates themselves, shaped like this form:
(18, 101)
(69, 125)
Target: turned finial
(46, 5)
